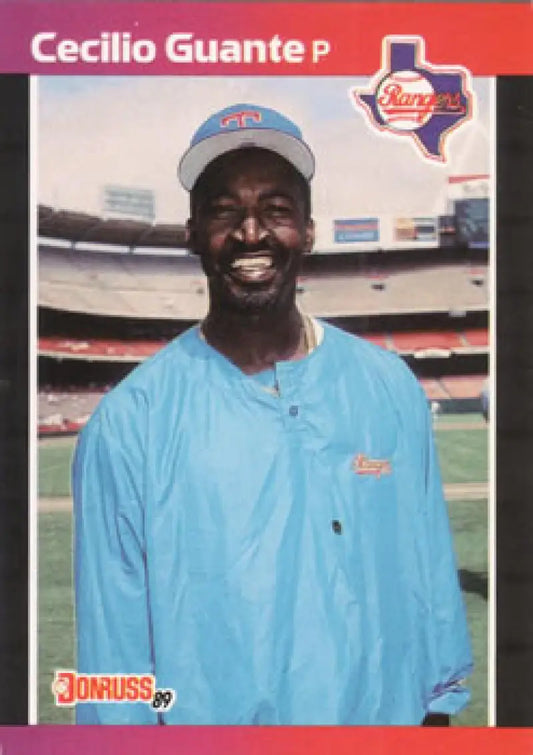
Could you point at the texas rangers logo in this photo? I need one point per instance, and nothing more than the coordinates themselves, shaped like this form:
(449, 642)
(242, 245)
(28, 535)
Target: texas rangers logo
(410, 97)
(241, 118)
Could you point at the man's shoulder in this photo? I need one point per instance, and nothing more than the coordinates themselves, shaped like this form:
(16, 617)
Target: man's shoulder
(159, 375)
(363, 350)
(381, 376)
(357, 358)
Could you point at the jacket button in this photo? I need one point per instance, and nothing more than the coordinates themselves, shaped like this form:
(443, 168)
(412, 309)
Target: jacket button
(293, 410)
(336, 526)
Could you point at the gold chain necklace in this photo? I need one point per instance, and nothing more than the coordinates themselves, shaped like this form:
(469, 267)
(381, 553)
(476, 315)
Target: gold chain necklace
(309, 334)
(310, 344)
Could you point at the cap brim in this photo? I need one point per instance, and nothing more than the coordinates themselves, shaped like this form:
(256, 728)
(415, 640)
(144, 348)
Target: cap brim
(198, 157)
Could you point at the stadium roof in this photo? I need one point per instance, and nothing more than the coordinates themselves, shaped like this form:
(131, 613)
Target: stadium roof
(80, 226)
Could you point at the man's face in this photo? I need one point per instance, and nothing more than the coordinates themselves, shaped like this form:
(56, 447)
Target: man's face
(250, 226)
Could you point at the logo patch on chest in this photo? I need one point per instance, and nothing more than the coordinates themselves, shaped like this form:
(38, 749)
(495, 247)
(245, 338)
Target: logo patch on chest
(375, 467)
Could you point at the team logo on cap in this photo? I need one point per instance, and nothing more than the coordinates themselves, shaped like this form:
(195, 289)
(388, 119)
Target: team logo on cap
(410, 97)
(241, 118)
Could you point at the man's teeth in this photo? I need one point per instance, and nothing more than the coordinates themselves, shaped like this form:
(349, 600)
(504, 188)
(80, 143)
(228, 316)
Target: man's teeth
(252, 264)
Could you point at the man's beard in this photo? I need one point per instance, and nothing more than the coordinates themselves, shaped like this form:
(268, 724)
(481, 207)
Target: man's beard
(253, 297)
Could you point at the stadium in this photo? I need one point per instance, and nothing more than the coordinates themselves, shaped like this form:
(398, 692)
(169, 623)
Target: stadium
(116, 284)
(102, 311)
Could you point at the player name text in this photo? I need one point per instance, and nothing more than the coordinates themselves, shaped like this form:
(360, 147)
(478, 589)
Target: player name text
(112, 47)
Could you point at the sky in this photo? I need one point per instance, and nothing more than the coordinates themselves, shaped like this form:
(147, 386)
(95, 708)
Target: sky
(132, 131)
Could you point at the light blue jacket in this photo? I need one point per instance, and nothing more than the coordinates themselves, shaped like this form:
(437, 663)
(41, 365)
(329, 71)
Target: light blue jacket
(274, 559)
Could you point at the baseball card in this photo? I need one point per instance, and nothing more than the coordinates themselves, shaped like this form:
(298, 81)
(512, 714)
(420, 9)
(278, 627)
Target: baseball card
(268, 284)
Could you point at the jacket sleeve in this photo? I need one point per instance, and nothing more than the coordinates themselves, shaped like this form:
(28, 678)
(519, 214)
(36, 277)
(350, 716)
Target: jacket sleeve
(452, 661)
(112, 610)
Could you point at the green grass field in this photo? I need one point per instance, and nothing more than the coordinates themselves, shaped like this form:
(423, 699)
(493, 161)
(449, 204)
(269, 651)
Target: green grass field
(56, 619)
(463, 454)
(55, 458)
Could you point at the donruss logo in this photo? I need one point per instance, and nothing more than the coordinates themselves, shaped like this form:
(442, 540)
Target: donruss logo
(70, 688)
(241, 118)
(411, 97)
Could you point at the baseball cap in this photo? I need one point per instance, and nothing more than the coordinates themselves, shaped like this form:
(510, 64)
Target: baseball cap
(240, 126)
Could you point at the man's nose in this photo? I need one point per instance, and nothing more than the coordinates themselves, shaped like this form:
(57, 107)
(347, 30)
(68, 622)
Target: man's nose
(250, 230)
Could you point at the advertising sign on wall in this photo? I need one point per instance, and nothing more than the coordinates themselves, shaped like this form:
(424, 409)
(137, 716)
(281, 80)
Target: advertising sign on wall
(355, 229)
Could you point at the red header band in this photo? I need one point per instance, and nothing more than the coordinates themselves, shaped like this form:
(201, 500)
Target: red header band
(262, 39)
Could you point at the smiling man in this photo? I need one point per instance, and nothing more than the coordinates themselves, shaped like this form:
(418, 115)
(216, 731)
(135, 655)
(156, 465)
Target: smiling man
(250, 225)
(259, 512)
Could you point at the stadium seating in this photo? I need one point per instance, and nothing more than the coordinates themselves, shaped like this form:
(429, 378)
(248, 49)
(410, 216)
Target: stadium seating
(111, 349)
(65, 412)
(463, 386)
(412, 342)
(433, 389)
(99, 278)
(158, 287)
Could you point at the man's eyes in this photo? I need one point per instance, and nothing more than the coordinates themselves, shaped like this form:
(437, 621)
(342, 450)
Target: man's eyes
(271, 209)
(223, 210)
(278, 209)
